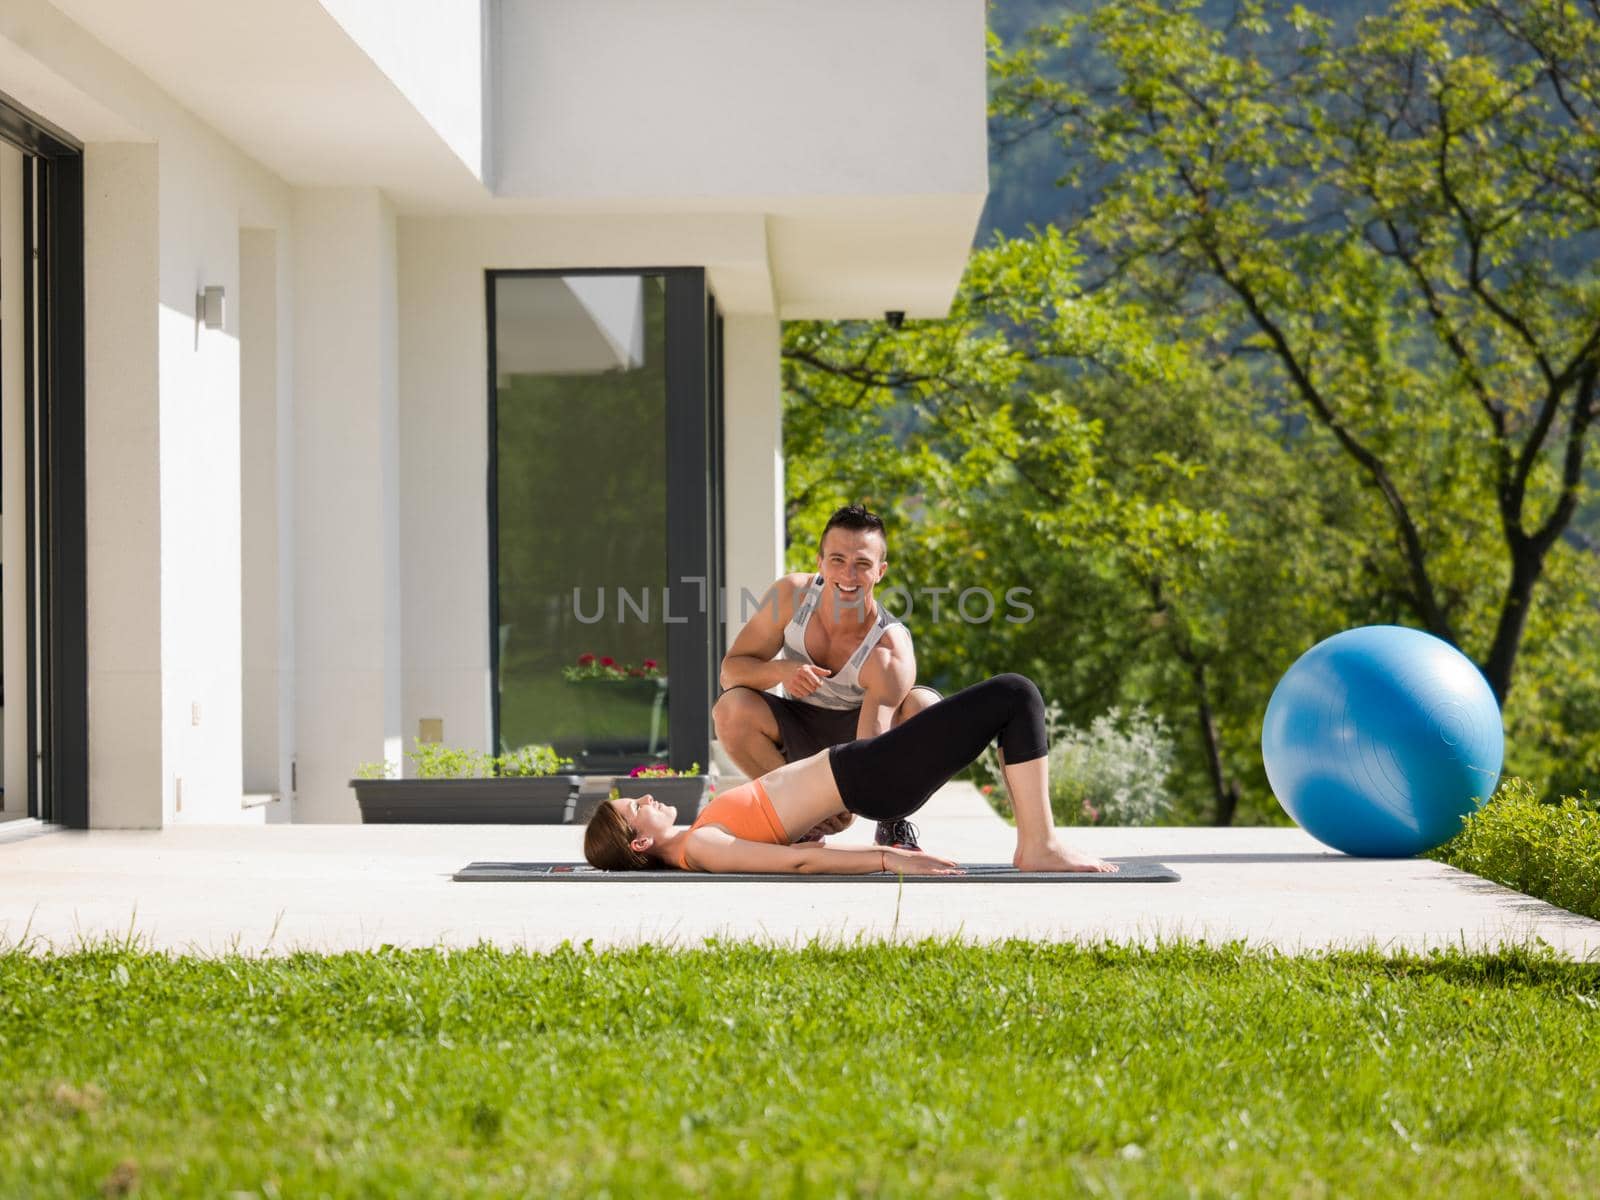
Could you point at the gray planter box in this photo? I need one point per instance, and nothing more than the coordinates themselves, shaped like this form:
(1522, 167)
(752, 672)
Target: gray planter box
(511, 800)
(687, 793)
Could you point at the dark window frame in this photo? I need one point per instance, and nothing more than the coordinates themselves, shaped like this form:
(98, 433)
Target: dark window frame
(694, 498)
(719, 521)
(54, 437)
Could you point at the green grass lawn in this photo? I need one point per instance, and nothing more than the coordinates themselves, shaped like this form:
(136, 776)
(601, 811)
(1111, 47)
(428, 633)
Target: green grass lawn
(922, 1069)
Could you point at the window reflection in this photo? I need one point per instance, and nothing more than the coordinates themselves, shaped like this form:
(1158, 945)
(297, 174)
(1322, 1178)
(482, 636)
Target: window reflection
(580, 505)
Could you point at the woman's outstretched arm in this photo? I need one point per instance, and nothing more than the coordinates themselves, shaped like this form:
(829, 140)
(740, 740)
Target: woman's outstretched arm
(720, 852)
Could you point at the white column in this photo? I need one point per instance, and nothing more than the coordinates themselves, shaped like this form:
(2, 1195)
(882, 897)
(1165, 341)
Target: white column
(347, 528)
(267, 514)
(444, 430)
(13, 497)
(122, 459)
(753, 427)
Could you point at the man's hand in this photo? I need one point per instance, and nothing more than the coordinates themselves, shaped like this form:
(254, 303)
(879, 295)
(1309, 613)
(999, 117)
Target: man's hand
(837, 823)
(805, 679)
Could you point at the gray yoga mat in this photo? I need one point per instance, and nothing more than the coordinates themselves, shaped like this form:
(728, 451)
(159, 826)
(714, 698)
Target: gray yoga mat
(569, 872)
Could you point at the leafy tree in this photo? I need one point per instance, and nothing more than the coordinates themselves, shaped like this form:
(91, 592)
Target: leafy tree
(1400, 225)
(1119, 511)
(1166, 453)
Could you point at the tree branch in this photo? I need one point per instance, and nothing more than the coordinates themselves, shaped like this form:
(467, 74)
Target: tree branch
(1474, 235)
(1583, 415)
(1423, 595)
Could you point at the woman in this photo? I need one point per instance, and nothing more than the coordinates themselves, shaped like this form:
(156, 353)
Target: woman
(754, 827)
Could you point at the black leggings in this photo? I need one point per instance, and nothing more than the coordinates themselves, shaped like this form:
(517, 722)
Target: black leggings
(891, 775)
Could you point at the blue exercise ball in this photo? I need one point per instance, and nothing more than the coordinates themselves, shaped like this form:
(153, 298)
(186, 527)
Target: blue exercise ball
(1379, 740)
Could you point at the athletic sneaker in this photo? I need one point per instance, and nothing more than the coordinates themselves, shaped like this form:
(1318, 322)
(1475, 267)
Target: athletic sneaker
(898, 835)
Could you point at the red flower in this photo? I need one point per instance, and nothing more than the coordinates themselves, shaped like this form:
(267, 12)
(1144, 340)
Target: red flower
(608, 661)
(649, 664)
(585, 660)
(636, 671)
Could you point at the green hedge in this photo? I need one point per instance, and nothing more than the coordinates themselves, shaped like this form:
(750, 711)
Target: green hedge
(1551, 851)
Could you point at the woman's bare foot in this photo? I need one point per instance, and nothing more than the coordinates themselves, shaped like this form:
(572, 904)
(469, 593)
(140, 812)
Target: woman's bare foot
(1056, 857)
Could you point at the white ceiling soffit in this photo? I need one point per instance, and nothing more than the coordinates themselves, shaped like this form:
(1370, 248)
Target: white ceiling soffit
(39, 86)
(284, 82)
(908, 257)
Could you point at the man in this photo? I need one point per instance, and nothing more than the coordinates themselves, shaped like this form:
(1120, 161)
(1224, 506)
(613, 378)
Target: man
(845, 665)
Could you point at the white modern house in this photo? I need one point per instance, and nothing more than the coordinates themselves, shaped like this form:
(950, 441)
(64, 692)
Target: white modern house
(367, 362)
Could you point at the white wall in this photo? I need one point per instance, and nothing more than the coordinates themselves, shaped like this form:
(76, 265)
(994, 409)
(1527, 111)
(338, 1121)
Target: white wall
(163, 207)
(208, 191)
(857, 130)
(347, 496)
(753, 427)
(130, 784)
(725, 98)
(378, 371)
(198, 461)
(444, 428)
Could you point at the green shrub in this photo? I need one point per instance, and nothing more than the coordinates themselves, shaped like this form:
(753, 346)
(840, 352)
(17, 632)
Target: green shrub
(530, 760)
(1551, 851)
(434, 760)
(1113, 773)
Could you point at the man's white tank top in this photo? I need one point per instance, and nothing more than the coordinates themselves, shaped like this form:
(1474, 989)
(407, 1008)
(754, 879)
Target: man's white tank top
(842, 689)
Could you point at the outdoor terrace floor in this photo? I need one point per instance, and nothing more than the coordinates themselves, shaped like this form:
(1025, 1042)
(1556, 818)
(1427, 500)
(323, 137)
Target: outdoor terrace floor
(341, 887)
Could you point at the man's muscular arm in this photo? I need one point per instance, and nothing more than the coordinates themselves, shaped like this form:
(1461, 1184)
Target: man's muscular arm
(888, 675)
(752, 659)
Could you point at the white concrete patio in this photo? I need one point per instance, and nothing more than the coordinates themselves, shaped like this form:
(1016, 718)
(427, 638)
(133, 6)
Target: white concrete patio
(275, 889)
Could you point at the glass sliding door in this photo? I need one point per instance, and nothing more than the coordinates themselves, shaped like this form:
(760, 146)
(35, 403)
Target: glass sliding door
(43, 580)
(599, 642)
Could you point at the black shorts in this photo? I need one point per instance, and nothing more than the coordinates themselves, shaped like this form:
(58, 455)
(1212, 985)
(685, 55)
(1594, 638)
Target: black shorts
(803, 728)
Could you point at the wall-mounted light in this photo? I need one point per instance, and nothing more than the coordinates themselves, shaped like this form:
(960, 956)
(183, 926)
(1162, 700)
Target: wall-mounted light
(210, 305)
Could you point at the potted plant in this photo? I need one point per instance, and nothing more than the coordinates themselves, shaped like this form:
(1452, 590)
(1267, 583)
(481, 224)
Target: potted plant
(466, 787)
(609, 670)
(623, 707)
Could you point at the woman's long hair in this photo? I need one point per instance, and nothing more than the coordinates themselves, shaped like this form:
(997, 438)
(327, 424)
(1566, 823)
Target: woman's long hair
(606, 843)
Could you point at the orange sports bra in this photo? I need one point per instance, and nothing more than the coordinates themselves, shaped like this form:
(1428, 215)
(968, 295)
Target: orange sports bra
(746, 812)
